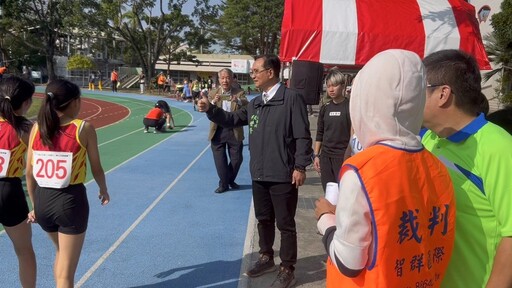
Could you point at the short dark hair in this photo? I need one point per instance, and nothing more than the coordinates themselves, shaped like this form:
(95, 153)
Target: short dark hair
(271, 61)
(459, 71)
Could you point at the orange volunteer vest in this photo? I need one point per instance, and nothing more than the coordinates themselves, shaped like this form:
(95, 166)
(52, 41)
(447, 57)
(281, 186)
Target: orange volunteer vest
(412, 206)
(66, 141)
(11, 144)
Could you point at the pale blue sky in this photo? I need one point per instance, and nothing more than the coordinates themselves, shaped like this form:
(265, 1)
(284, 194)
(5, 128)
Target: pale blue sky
(188, 7)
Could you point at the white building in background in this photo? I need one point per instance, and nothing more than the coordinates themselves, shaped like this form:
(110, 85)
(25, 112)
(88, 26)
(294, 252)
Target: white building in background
(484, 11)
(210, 64)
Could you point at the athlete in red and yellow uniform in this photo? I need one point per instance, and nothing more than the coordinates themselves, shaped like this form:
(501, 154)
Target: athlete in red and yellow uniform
(9, 140)
(56, 168)
(67, 141)
(15, 100)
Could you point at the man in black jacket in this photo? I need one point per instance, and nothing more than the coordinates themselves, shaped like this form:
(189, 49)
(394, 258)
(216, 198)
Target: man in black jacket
(280, 148)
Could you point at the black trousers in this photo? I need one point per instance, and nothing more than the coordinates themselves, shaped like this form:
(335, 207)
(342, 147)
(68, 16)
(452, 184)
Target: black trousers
(114, 85)
(227, 171)
(330, 169)
(276, 202)
(158, 124)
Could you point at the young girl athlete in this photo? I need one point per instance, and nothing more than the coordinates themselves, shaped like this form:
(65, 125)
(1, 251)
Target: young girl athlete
(56, 168)
(15, 100)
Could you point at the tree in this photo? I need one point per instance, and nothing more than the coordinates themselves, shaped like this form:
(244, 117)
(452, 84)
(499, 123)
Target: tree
(499, 48)
(200, 36)
(45, 22)
(146, 34)
(250, 27)
(80, 62)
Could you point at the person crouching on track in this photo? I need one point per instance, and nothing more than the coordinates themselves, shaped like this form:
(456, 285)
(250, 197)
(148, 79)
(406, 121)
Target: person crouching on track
(155, 118)
(15, 100)
(167, 110)
(56, 168)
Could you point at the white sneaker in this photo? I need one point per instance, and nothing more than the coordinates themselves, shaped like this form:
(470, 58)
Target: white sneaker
(154, 132)
(146, 131)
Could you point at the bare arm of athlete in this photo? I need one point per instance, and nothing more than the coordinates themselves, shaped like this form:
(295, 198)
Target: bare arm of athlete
(89, 139)
(31, 181)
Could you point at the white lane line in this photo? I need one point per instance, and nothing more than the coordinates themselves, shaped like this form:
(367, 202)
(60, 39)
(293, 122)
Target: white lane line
(137, 222)
(129, 133)
(248, 248)
(99, 107)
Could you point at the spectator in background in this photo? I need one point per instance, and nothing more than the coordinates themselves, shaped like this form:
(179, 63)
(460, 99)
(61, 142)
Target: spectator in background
(333, 128)
(187, 93)
(100, 80)
(229, 139)
(209, 83)
(114, 77)
(160, 79)
(235, 82)
(92, 78)
(142, 81)
(169, 84)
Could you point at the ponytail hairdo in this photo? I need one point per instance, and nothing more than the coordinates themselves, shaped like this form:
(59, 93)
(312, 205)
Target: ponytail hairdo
(14, 91)
(59, 94)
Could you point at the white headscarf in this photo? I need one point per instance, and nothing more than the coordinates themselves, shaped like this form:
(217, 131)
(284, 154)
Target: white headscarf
(388, 98)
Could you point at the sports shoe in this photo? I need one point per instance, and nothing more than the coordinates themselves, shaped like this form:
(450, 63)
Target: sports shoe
(146, 131)
(264, 265)
(285, 278)
(154, 132)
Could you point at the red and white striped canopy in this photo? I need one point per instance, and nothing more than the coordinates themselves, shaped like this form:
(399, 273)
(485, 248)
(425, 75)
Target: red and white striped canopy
(351, 32)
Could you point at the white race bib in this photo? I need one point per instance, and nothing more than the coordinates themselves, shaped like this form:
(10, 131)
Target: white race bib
(5, 157)
(52, 169)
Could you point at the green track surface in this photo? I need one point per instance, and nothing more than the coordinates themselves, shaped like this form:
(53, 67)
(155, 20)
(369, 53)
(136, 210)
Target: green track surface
(123, 140)
(126, 139)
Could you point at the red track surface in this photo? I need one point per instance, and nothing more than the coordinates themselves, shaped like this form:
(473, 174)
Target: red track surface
(98, 112)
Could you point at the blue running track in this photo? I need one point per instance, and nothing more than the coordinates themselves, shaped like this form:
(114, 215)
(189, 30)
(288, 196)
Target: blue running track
(164, 227)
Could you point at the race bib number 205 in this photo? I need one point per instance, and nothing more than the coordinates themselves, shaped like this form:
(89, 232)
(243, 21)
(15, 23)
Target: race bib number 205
(52, 169)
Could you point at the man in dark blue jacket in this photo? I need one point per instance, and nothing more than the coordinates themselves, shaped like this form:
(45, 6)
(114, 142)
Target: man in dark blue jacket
(281, 148)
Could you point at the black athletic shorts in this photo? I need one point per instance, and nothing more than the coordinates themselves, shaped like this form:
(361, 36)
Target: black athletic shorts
(63, 210)
(13, 203)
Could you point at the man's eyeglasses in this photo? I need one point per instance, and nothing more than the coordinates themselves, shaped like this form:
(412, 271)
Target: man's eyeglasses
(434, 85)
(255, 72)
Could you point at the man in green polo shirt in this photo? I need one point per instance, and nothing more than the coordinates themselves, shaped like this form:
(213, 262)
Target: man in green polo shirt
(479, 159)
